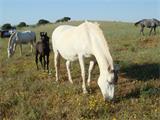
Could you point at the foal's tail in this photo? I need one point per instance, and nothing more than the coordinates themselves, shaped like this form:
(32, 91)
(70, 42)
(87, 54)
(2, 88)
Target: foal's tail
(138, 22)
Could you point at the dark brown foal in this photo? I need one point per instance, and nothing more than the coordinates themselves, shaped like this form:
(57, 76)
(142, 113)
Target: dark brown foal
(43, 50)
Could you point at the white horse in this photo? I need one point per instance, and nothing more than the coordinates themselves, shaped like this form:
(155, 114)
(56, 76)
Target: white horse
(86, 40)
(20, 38)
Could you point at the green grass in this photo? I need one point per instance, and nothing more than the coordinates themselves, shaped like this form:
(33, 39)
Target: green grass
(28, 94)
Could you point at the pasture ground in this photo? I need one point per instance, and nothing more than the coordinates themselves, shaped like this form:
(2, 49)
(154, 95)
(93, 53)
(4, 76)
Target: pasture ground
(28, 94)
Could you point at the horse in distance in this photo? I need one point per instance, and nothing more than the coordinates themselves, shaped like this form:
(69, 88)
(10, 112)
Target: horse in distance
(43, 50)
(78, 42)
(19, 38)
(149, 23)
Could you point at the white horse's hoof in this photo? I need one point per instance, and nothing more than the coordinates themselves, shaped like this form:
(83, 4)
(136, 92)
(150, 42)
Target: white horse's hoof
(71, 81)
(88, 84)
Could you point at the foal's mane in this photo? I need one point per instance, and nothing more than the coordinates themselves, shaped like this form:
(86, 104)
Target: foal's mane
(10, 39)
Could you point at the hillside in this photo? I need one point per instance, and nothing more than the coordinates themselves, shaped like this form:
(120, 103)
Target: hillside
(28, 94)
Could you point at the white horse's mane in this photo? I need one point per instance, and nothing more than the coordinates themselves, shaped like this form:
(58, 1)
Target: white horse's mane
(95, 28)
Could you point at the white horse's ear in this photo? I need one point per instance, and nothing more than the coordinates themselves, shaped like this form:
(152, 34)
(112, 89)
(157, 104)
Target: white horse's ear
(96, 23)
(85, 21)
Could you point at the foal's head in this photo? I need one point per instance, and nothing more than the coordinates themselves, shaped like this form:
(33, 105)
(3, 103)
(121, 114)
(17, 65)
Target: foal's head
(44, 37)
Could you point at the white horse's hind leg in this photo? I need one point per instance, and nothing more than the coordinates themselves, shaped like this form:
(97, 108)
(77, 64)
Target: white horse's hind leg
(68, 71)
(82, 66)
(57, 64)
(91, 65)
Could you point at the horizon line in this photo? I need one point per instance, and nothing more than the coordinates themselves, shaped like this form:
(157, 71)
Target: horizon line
(76, 20)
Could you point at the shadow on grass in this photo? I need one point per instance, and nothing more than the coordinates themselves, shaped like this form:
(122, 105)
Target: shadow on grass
(146, 91)
(142, 72)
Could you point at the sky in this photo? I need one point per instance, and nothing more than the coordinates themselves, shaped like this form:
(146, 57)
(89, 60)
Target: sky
(30, 11)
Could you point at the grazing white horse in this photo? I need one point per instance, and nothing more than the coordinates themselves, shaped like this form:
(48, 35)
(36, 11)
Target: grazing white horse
(20, 38)
(86, 40)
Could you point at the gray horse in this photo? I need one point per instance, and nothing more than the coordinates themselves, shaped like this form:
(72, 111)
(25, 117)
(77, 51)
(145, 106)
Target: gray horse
(149, 23)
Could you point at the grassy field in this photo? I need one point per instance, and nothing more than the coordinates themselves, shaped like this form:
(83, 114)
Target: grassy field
(28, 94)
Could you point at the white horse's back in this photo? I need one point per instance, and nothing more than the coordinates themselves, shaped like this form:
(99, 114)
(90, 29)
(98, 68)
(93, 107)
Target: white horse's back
(26, 36)
(65, 40)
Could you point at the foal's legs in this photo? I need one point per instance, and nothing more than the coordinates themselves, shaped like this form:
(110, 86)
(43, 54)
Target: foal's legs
(91, 65)
(40, 59)
(48, 62)
(36, 59)
(57, 64)
(68, 71)
(44, 65)
(82, 66)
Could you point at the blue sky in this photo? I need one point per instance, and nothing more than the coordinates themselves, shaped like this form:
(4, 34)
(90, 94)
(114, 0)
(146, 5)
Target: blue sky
(30, 11)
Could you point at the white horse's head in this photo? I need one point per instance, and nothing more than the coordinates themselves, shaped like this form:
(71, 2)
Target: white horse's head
(107, 83)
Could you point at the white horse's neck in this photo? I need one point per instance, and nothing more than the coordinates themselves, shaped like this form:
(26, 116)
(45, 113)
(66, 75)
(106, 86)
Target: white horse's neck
(11, 41)
(104, 61)
(100, 49)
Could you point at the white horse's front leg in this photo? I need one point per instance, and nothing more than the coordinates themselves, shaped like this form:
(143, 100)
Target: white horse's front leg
(57, 64)
(82, 66)
(68, 71)
(91, 65)
(32, 48)
(14, 47)
(20, 49)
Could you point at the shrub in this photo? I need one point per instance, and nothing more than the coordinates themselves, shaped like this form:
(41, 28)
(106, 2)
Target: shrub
(42, 22)
(22, 24)
(64, 19)
(6, 26)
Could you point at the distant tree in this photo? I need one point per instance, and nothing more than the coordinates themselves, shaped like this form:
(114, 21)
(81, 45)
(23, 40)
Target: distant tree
(57, 21)
(22, 24)
(64, 19)
(42, 22)
(6, 26)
